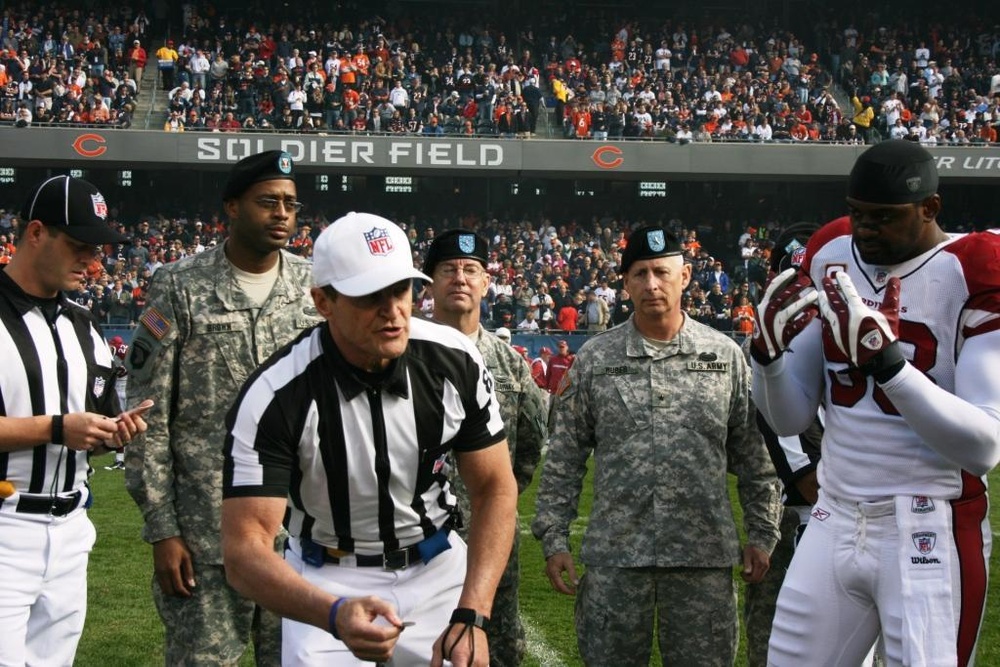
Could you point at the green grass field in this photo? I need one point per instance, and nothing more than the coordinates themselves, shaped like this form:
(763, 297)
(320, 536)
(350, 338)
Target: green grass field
(123, 628)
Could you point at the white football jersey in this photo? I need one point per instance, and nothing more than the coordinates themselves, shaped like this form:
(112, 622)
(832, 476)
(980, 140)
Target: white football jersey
(948, 295)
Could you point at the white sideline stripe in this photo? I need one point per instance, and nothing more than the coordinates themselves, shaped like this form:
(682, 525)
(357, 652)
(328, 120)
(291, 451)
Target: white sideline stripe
(537, 647)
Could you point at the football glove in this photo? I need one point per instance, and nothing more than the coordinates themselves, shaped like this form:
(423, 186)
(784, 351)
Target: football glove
(788, 305)
(867, 337)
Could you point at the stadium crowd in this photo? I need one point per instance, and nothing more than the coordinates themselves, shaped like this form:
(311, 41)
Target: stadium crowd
(547, 275)
(606, 76)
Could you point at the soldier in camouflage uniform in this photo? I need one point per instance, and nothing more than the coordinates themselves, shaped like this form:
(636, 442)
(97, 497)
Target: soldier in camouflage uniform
(457, 260)
(663, 404)
(210, 320)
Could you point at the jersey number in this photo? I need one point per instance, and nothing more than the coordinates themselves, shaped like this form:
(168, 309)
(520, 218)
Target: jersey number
(849, 387)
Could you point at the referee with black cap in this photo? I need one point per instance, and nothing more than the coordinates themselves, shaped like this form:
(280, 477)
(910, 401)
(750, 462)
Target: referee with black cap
(210, 320)
(59, 403)
(661, 402)
(902, 355)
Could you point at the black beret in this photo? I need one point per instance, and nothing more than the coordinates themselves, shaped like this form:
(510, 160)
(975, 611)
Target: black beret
(456, 244)
(893, 172)
(649, 243)
(266, 166)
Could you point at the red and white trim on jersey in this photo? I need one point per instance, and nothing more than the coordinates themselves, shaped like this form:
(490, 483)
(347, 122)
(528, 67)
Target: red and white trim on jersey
(973, 542)
(869, 450)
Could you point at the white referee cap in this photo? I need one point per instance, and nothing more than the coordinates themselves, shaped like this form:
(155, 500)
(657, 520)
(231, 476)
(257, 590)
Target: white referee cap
(361, 254)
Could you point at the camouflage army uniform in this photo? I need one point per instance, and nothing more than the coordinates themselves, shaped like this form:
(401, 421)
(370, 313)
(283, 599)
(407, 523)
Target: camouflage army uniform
(760, 599)
(197, 341)
(522, 406)
(665, 426)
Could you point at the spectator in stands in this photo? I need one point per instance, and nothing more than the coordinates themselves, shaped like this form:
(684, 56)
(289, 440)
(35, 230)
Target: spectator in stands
(199, 68)
(530, 322)
(540, 367)
(175, 122)
(622, 309)
(433, 127)
(166, 63)
(864, 116)
(559, 364)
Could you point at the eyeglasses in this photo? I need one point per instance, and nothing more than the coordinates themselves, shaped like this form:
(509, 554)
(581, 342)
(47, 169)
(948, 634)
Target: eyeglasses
(272, 204)
(470, 271)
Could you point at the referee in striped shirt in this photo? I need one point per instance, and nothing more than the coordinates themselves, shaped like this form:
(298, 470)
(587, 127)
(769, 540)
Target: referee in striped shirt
(57, 400)
(347, 435)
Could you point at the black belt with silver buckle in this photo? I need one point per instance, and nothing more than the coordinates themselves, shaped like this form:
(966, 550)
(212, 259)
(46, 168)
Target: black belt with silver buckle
(54, 505)
(397, 559)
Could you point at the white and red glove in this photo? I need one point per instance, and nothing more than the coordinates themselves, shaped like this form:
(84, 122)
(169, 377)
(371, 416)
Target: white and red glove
(867, 337)
(788, 305)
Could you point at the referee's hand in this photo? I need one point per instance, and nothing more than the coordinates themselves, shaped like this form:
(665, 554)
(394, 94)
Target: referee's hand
(84, 431)
(361, 628)
(461, 645)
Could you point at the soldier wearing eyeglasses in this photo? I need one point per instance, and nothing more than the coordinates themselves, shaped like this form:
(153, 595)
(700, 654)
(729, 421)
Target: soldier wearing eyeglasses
(456, 260)
(210, 320)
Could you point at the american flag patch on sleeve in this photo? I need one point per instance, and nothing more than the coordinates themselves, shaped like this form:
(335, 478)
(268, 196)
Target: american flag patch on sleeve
(157, 324)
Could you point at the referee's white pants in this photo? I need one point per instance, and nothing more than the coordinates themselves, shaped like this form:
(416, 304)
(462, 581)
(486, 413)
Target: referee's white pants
(43, 587)
(424, 593)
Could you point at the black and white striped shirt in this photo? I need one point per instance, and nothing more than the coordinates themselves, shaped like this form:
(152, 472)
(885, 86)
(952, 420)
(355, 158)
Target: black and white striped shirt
(363, 461)
(48, 369)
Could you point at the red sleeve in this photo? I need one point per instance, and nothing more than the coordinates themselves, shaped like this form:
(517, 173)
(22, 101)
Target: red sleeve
(831, 230)
(979, 255)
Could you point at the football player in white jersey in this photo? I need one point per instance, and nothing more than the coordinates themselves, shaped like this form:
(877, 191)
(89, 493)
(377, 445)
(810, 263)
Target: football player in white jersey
(893, 326)
(119, 348)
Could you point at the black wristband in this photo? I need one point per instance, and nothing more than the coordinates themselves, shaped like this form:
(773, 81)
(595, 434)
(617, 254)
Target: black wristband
(884, 365)
(470, 617)
(760, 356)
(332, 618)
(57, 430)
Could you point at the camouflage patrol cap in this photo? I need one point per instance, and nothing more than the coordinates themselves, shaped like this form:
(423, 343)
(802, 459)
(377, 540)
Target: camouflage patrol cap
(266, 166)
(455, 244)
(649, 243)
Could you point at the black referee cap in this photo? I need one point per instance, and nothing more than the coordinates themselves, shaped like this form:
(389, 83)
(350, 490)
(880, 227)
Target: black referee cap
(266, 166)
(649, 243)
(74, 206)
(893, 172)
(456, 244)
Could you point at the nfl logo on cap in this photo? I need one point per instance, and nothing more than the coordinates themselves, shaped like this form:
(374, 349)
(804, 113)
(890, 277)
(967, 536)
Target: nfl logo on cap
(379, 242)
(799, 256)
(100, 206)
(466, 243)
(656, 240)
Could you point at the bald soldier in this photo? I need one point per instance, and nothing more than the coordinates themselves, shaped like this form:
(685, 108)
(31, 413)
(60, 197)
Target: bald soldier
(663, 404)
(456, 260)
